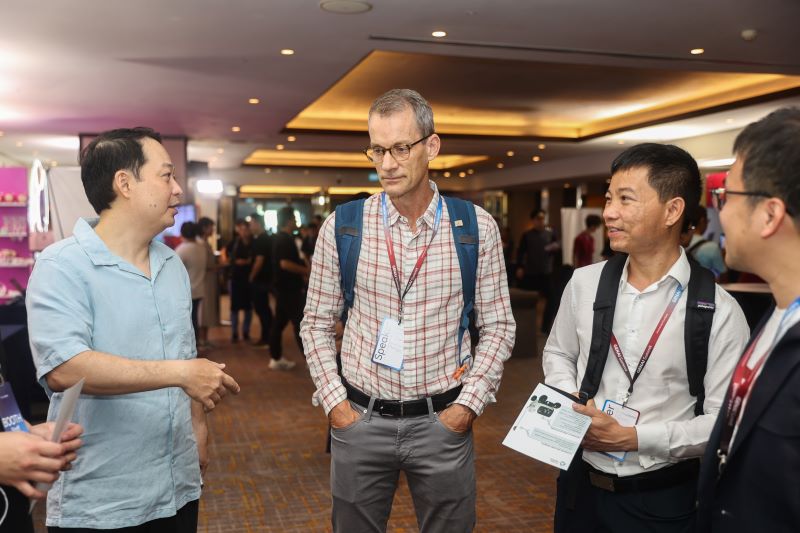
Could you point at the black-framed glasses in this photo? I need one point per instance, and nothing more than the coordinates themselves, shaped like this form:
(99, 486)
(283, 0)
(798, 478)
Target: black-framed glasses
(720, 194)
(400, 152)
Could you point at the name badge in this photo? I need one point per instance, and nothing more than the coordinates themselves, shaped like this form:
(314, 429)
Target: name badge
(625, 416)
(9, 410)
(389, 348)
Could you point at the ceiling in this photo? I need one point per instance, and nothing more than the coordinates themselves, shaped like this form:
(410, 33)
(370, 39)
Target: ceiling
(189, 67)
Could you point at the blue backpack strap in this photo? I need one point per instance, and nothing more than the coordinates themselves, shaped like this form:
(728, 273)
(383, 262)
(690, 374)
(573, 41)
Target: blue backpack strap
(464, 224)
(349, 222)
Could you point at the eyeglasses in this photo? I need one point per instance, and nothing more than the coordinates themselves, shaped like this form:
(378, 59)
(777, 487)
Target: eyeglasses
(719, 196)
(400, 152)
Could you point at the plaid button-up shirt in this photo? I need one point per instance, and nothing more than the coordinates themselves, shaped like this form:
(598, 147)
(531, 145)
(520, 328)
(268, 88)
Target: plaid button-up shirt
(431, 311)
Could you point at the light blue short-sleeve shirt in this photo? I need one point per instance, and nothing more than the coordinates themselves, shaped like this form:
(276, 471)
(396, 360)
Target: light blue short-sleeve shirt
(139, 458)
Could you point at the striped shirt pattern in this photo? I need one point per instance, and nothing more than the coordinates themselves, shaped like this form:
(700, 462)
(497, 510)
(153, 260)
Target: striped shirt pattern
(431, 312)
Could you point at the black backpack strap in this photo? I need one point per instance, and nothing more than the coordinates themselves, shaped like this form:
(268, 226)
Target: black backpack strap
(604, 304)
(700, 308)
(695, 246)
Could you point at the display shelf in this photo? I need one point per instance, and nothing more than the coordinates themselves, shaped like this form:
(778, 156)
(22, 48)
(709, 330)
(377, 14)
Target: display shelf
(25, 263)
(13, 235)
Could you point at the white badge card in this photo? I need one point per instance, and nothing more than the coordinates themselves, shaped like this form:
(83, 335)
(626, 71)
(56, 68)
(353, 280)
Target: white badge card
(626, 417)
(389, 348)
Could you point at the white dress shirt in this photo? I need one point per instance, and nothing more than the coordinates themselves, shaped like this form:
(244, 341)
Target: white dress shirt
(667, 430)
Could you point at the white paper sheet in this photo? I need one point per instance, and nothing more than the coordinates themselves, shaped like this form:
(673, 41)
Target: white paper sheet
(547, 428)
(68, 402)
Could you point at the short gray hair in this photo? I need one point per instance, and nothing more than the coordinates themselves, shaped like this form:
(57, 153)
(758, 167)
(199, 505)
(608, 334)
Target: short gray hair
(397, 100)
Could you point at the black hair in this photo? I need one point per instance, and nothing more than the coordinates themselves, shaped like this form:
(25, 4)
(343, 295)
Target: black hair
(770, 152)
(536, 212)
(108, 153)
(671, 171)
(204, 223)
(241, 222)
(285, 214)
(593, 221)
(189, 230)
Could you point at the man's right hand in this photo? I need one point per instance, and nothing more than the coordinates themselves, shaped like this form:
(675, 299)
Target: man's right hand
(26, 458)
(205, 382)
(343, 415)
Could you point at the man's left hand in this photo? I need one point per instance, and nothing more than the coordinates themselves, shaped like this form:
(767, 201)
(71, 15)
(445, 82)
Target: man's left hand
(457, 418)
(606, 434)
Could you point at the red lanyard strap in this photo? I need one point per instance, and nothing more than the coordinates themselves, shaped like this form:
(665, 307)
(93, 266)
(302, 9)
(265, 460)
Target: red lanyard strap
(651, 344)
(420, 260)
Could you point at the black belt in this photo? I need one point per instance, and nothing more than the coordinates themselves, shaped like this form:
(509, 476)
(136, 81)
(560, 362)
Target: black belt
(662, 478)
(398, 408)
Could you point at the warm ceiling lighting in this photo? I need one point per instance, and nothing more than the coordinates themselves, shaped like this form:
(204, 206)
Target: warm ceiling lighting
(254, 101)
(620, 142)
(280, 147)
(350, 191)
(696, 51)
(542, 146)
(19, 144)
(313, 158)
(53, 163)
(439, 34)
(278, 189)
(471, 171)
(236, 129)
(536, 159)
(728, 121)
(267, 170)
(510, 153)
(287, 52)
(500, 165)
(446, 174)
(291, 138)
(462, 174)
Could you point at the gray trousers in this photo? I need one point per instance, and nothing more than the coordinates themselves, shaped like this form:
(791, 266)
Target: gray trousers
(366, 460)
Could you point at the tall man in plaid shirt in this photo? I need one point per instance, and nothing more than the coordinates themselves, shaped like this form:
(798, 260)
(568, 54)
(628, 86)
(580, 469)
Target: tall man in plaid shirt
(414, 411)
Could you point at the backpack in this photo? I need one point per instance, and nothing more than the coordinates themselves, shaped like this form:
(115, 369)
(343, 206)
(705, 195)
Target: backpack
(464, 225)
(697, 326)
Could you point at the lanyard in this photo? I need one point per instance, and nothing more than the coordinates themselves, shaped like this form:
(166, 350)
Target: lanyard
(742, 382)
(650, 344)
(393, 262)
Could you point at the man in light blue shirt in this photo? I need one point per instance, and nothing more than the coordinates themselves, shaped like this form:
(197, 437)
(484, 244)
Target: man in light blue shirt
(113, 306)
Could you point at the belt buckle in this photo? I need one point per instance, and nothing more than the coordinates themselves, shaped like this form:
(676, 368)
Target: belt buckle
(386, 413)
(601, 482)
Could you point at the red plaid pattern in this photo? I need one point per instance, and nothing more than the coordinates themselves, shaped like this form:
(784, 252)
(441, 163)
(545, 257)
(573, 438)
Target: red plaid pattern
(431, 313)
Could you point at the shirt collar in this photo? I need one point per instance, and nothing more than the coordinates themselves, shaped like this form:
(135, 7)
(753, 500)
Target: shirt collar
(680, 272)
(429, 216)
(100, 255)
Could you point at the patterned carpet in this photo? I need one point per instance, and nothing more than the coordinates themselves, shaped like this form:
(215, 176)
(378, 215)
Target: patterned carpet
(270, 473)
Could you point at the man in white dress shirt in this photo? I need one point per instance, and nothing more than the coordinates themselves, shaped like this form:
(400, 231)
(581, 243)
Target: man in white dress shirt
(651, 484)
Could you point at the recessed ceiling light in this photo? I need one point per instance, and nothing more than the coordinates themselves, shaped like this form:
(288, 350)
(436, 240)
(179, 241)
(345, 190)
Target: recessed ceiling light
(500, 165)
(220, 150)
(471, 171)
(696, 51)
(254, 101)
(536, 159)
(728, 121)
(236, 129)
(439, 34)
(345, 7)
(620, 142)
(462, 174)
(267, 170)
(19, 144)
(287, 52)
(53, 163)
(446, 174)
(291, 138)
(542, 146)
(510, 153)
(279, 147)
